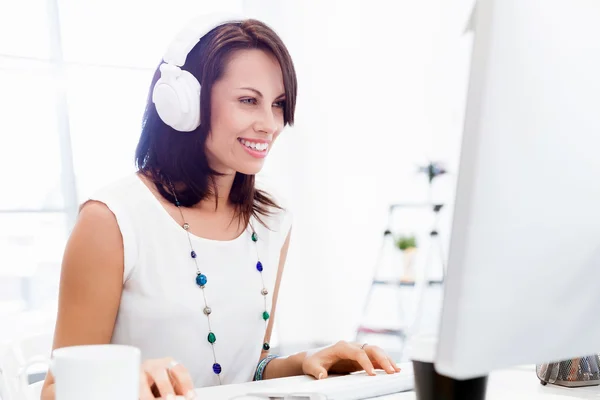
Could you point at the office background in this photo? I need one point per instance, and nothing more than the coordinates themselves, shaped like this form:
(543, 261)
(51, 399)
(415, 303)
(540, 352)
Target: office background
(382, 88)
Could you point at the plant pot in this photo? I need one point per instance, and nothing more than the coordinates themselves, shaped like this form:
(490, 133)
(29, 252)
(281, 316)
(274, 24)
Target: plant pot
(408, 264)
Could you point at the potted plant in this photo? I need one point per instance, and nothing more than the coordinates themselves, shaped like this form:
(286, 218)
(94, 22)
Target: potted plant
(408, 245)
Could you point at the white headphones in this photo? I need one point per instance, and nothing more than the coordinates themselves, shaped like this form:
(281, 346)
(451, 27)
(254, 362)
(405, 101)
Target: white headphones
(176, 94)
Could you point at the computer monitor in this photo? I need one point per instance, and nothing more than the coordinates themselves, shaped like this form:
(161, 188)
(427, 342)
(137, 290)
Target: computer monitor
(523, 279)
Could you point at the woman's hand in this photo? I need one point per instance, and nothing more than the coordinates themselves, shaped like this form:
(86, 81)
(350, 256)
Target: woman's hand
(165, 378)
(344, 358)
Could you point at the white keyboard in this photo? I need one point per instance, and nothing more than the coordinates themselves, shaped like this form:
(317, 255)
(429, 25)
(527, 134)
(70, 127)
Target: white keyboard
(349, 387)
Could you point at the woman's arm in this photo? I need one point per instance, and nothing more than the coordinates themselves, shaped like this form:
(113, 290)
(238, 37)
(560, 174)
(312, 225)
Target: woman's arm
(90, 284)
(289, 366)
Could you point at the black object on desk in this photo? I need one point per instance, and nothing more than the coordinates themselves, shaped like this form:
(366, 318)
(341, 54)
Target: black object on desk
(429, 385)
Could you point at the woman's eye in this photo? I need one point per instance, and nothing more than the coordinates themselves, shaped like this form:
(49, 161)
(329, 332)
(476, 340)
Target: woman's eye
(248, 101)
(279, 104)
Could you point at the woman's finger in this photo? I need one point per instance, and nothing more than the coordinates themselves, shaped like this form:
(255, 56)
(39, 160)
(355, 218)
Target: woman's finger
(357, 354)
(145, 392)
(182, 381)
(378, 355)
(394, 365)
(160, 377)
(314, 368)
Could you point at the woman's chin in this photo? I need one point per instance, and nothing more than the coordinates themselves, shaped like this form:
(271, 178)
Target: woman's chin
(250, 168)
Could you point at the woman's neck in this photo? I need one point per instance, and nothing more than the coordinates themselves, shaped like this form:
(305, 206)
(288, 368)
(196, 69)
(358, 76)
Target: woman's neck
(219, 194)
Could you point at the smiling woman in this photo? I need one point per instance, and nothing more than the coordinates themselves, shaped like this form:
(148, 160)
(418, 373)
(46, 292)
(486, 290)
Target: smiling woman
(184, 258)
(248, 93)
(247, 108)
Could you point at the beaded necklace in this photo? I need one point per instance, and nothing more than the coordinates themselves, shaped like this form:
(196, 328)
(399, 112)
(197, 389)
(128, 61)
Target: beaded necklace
(202, 280)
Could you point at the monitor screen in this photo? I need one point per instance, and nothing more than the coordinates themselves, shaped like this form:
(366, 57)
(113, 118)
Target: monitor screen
(524, 261)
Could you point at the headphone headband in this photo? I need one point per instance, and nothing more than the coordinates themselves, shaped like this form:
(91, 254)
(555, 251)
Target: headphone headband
(191, 34)
(176, 93)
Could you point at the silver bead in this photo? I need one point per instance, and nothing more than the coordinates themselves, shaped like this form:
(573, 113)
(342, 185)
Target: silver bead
(207, 310)
(264, 292)
(186, 226)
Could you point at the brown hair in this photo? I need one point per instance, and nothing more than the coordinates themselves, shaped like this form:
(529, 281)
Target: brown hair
(166, 155)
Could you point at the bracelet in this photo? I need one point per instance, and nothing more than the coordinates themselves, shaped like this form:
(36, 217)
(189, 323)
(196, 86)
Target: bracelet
(258, 375)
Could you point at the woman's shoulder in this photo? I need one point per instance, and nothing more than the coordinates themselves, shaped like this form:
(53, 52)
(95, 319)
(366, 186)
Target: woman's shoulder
(124, 195)
(120, 187)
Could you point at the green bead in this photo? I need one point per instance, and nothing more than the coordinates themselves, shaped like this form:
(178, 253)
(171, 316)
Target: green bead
(265, 315)
(254, 237)
(266, 346)
(212, 338)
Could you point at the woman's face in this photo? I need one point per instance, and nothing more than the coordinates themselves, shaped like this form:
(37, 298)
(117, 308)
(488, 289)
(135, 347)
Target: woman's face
(247, 106)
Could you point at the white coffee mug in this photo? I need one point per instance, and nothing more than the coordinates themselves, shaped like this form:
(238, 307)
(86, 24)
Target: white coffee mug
(93, 372)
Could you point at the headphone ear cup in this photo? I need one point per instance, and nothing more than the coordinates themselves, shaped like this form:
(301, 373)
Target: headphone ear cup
(176, 96)
(192, 88)
(165, 96)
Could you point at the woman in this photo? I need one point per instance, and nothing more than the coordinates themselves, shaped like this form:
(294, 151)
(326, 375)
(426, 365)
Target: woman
(184, 258)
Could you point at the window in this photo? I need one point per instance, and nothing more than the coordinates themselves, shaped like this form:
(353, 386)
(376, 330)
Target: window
(106, 105)
(100, 56)
(24, 29)
(30, 158)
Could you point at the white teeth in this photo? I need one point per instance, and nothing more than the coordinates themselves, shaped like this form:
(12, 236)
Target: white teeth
(254, 145)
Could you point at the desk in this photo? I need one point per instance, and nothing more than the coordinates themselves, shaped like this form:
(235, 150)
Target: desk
(519, 383)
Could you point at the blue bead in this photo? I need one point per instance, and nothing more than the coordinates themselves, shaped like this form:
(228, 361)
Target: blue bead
(193, 254)
(201, 280)
(177, 203)
(259, 266)
(217, 368)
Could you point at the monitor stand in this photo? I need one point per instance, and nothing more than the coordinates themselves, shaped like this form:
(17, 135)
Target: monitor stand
(429, 385)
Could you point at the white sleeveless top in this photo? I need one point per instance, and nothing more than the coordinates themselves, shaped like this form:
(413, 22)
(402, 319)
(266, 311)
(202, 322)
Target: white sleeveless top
(161, 310)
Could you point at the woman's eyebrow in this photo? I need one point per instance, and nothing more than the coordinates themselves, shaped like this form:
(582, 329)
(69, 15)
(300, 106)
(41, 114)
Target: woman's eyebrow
(259, 94)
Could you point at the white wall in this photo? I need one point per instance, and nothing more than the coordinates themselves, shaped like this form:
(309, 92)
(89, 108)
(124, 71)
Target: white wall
(381, 89)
